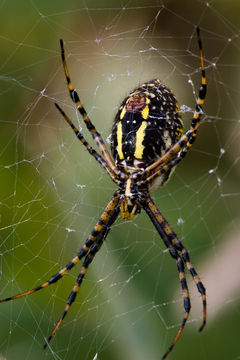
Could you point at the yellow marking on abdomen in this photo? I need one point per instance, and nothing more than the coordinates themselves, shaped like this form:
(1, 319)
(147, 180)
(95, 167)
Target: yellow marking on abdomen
(119, 141)
(123, 112)
(145, 112)
(139, 140)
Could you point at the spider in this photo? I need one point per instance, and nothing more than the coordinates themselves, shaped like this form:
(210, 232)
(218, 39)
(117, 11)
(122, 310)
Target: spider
(147, 142)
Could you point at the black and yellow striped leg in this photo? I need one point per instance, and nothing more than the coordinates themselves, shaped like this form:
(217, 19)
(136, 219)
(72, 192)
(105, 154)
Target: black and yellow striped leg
(91, 151)
(185, 292)
(176, 243)
(165, 167)
(154, 169)
(98, 228)
(182, 147)
(187, 140)
(201, 289)
(96, 136)
(158, 222)
(87, 261)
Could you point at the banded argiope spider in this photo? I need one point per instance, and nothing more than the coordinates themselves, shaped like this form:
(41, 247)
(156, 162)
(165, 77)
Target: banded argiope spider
(147, 142)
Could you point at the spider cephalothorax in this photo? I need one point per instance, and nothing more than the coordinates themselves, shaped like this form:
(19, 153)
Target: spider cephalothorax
(147, 143)
(130, 198)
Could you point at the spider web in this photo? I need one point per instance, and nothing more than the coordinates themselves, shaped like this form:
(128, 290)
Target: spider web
(52, 192)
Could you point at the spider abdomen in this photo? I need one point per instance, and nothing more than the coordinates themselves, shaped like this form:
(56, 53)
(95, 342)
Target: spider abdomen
(146, 125)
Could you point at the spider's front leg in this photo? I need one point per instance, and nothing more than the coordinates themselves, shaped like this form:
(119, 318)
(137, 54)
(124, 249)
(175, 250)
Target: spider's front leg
(101, 227)
(174, 245)
(165, 229)
(111, 214)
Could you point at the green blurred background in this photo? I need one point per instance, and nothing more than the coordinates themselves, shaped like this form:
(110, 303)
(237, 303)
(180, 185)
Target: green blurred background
(52, 193)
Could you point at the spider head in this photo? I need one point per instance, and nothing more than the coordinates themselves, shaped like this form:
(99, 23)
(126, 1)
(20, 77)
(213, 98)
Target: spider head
(129, 206)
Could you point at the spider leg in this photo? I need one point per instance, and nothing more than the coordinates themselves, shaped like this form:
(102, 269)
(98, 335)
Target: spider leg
(164, 226)
(91, 151)
(158, 220)
(165, 167)
(96, 136)
(201, 289)
(187, 140)
(97, 230)
(87, 261)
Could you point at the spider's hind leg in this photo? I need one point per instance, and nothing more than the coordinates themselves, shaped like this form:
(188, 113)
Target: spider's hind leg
(184, 144)
(91, 151)
(91, 128)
